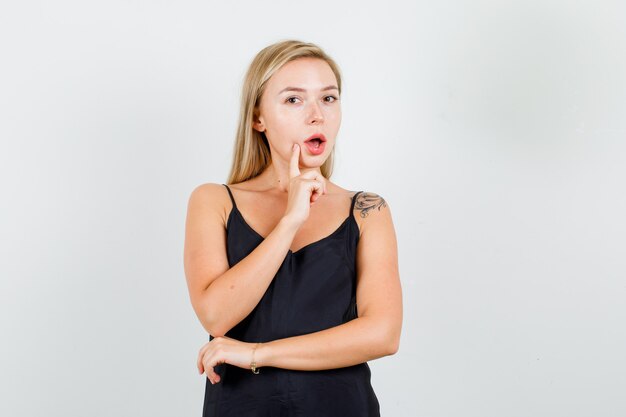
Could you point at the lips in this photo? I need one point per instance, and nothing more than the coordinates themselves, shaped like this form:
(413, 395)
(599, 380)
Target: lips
(319, 136)
(315, 144)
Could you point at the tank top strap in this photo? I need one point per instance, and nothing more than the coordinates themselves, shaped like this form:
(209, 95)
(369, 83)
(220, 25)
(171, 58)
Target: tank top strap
(231, 196)
(353, 201)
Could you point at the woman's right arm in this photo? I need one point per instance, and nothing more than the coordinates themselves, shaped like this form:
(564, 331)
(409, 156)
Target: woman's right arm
(222, 297)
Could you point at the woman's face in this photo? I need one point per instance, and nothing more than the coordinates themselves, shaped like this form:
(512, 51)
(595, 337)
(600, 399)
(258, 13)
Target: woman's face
(300, 100)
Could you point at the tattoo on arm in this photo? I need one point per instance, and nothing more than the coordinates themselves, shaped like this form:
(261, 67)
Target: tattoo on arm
(368, 201)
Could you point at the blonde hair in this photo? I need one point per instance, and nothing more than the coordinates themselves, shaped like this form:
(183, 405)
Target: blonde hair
(251, 150)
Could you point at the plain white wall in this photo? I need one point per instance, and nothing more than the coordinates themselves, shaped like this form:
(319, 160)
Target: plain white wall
(494, 130)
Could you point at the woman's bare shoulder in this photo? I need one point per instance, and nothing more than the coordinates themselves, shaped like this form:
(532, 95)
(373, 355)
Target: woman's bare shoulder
(368, 202)
(208, 191)
(209, 197)
(369, 207)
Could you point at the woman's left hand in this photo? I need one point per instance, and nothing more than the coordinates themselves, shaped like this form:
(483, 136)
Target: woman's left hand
(223, 349)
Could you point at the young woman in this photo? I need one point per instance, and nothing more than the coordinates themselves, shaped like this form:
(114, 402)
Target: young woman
(294, 278)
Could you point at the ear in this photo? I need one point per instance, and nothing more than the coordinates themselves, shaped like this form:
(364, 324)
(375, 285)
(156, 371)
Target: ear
(257, 121)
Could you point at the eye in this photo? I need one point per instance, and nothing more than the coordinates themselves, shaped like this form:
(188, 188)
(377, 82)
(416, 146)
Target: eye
(333, 99)
(288, 100)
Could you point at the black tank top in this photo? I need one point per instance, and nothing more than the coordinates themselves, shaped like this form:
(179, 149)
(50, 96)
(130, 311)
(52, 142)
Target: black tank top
(314, 289)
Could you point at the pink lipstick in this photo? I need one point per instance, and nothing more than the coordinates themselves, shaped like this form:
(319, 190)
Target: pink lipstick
(316, 143)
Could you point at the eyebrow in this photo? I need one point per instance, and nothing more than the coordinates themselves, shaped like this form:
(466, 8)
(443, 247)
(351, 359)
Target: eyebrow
(302, 90)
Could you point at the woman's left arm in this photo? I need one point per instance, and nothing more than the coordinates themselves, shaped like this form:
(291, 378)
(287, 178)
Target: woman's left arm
(373, 334)
(376, 330)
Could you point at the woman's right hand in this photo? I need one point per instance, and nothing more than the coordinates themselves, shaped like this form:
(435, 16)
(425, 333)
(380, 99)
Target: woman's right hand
(304, 189)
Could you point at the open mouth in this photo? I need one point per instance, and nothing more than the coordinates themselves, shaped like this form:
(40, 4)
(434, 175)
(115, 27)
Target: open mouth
(315, 140)
(315, 144)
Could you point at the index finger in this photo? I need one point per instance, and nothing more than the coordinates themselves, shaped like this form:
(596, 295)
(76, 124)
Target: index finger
(294, 170)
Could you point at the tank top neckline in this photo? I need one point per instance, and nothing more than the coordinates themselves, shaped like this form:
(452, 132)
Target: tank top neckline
(239, 215)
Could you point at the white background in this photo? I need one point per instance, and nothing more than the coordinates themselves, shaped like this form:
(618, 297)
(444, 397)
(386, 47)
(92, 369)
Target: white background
(495, 131)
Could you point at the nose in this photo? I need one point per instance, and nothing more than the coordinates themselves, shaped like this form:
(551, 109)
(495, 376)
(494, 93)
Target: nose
(316, 116)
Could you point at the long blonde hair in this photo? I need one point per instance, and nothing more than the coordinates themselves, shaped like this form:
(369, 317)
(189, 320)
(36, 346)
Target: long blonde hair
(251, 151)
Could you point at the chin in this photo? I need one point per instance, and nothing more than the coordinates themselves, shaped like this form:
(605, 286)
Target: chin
(314, 164)
(313, 161)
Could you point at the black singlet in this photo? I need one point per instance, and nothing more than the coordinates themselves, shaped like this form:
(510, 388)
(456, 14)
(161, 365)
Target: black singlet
(314, 289)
